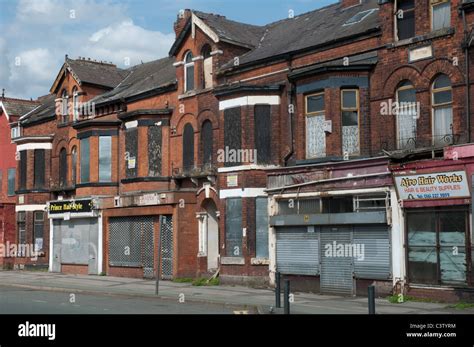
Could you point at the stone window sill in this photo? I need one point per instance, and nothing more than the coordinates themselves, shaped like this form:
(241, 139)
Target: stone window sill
(232, 261)
(420, 38)
(260, 261)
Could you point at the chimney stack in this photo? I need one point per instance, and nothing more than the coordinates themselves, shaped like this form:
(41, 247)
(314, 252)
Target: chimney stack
(349, 3)
(181, 20)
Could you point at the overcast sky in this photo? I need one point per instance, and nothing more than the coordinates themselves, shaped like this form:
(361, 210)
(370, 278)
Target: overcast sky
(35, 35)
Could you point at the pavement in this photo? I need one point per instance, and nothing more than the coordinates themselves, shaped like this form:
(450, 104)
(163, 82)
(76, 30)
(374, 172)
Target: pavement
(232, 299)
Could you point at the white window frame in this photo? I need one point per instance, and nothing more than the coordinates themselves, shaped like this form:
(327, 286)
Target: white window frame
(435, 106)
(433, 4)
(186, 66)
(395, 21)
(402, 88)
(313, 114)
(75, 100)
(351, 109)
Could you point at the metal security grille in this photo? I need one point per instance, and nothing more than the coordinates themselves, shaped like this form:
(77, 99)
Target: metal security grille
(131, 243)
(297, 251)
(375, 263)
(166, 247)
(146, 226)
(336, 270)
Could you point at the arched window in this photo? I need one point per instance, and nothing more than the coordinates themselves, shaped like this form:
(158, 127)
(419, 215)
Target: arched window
(64, 108)
(63, 167)
(188, 147)
(188, 72)
(442, 104)
(74, 164)
(207, 67)
(407, 115)
(206, 142)
(75, 104)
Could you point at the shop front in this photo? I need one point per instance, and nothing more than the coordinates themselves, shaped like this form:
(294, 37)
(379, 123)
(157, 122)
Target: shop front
(436, 200)
(76, 237)
(327, 236)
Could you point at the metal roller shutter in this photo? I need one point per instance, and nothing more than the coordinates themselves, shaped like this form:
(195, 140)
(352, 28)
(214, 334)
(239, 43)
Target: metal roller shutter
(297, 251)
(336, 271)
(376, 260)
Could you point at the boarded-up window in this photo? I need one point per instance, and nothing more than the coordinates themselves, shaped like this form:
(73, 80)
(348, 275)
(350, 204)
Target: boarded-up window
(233, 227)
(232, 136)
(154, 151)
(39, 168)
(85, 162)
(131, 155)
(206, 142)
(23, 169)
(105, 158)
(63, 167)
(188, 147)
(261, 220)
(263, 133)
(11, 182)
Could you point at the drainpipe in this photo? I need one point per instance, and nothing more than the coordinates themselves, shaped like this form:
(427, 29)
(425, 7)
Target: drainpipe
(291, 101)
(468, 83)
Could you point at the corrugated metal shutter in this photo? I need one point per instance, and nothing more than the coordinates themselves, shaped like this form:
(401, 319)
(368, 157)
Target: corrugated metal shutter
(376, 260)
(336, 271)
(297, 251)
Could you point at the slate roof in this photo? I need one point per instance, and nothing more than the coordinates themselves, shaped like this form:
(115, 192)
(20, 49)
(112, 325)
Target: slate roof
(311, 29)
(358, 61)
(231, 31)
(46, 110)
(18, 107)
(141, 79)
(98, 73)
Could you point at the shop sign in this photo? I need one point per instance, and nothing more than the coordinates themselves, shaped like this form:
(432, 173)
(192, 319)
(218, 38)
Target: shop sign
(442, 185)
(78, 206)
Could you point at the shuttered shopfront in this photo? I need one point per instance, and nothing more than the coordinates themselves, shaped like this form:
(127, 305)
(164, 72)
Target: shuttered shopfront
(316, 251)
(132, 242)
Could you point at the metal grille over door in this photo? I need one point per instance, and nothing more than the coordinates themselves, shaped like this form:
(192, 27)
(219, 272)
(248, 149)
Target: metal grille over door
(336, 269)
(166, 247)
(131, 243)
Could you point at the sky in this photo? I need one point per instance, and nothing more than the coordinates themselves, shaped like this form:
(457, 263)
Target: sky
(35, 35)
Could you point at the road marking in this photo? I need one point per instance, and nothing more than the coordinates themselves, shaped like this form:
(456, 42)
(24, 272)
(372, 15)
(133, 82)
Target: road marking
(241, 312)
(41, 301)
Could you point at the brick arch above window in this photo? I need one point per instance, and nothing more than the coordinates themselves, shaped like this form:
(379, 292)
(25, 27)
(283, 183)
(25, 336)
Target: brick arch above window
(207, 115)
(403, 73)
(443, 66)
(182, 120)
(62, 143)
